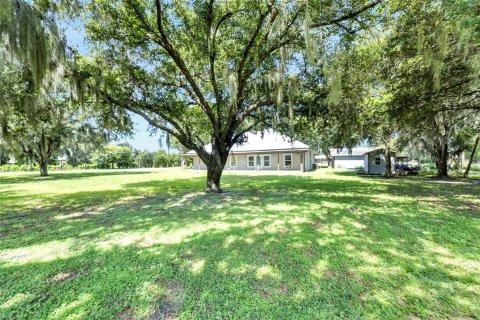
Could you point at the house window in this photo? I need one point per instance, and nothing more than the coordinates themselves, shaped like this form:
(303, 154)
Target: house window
(266, 161)
(378, 161)
(251, 161)
(288, 160)
(233, 161)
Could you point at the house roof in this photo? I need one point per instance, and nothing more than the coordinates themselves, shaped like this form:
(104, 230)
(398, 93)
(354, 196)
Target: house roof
(269, 141)
(378, 149)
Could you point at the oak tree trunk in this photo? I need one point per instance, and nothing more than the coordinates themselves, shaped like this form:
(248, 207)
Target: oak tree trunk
(215, 165)
(43, 168)
(442, 160)
(329, 161)
(467, 171)
(388, 162)
(214, 174)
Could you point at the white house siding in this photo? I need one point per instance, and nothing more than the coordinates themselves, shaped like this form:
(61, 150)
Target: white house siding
(374, 168)
(301, 161)
(349, 162)
(198, 164)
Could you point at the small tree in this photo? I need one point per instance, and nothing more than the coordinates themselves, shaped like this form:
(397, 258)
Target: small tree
(114, 156)
(41, 112)
(35, 122)
(145, 159)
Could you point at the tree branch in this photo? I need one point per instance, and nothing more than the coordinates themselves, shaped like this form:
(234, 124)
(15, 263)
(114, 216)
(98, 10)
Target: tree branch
(347, 16)
(175, 55)
(212, 54)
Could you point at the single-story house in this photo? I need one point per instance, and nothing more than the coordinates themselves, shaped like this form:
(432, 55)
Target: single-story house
(268, 151)
(371, 159)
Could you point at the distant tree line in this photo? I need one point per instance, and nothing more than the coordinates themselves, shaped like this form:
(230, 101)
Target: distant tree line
(124, 156)
(110, 156)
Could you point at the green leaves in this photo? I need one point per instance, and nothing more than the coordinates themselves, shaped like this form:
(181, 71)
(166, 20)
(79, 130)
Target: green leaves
(31, 38)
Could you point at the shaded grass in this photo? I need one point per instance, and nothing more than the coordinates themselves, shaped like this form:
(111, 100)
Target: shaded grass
(319, 245)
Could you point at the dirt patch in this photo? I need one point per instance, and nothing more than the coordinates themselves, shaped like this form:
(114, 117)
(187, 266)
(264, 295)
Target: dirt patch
(64, 276)
(26, 227)
(441, 204)
(474, 207)
(164, 312)
(187, 256)
(318, 224)
(167, 307)
(466, 207)
(268, 292)
(283, 289)
(310, 253)
(329, 274)
(137, 205)
(286, 230)
(126, 314)
(80, 217)
(338, 274)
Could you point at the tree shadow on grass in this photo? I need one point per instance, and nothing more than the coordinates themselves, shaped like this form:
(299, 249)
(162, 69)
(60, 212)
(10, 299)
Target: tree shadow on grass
(343, 173)
(273, 247)
(133, 208)
(55, 176)
(12, 199)
(294, 269)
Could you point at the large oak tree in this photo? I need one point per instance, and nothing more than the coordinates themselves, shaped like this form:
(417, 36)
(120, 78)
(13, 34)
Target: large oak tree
(210, 71)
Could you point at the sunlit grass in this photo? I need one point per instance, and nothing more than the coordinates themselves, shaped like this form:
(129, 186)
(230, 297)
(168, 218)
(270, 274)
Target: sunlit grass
(143, 245)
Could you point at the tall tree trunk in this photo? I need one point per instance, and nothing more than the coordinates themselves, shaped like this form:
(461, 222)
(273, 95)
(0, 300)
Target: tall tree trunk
(215, 165)
(214, 174)
(475, 146)
(442, 159)
(329, 159)
(388, 163)
(43, 155)
(30, 164)
(43, 167)
(388, 158)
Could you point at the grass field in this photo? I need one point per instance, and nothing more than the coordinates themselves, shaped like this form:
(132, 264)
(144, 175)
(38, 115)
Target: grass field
(322, 245)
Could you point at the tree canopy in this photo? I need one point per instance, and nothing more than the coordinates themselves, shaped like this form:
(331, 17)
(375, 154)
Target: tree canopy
(210, 71)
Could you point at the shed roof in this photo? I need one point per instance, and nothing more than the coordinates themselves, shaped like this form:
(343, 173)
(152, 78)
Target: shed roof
(269, 141)
(354, 151)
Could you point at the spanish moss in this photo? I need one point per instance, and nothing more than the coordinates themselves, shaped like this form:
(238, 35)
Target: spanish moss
(32, 38)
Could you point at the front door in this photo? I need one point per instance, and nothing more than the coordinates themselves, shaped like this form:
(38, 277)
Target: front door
(251, 162)
(266, 161)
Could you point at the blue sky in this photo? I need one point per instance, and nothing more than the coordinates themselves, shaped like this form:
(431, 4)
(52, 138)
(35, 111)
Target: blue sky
(141, 139)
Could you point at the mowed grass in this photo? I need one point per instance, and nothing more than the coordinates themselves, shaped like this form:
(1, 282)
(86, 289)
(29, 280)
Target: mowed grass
(321, 245)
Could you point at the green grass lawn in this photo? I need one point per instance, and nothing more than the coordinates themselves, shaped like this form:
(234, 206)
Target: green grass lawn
(322, 245)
